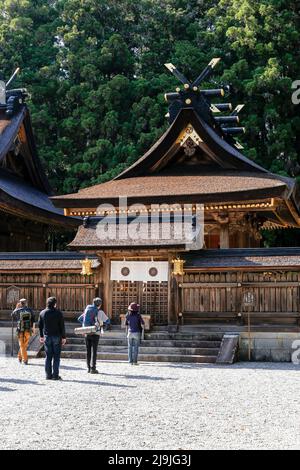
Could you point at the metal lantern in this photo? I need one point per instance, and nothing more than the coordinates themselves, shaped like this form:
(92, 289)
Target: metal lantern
(178, 267)
(86, 267)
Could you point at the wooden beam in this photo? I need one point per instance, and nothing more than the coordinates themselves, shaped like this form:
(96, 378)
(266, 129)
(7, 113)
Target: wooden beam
(212, 285)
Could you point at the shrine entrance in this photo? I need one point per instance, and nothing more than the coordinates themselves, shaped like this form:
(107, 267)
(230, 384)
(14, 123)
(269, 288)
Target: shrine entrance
(145, 283)
(152, 296)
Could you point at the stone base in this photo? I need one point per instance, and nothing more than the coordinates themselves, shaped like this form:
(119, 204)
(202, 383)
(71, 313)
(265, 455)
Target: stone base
(5, 342)
(34, 345)
(269, 347)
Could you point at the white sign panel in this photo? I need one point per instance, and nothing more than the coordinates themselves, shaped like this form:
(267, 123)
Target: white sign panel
(144, 271)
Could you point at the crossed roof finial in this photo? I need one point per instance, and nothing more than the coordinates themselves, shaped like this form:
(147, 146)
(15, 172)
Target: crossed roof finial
(191, 96)
(203, 75)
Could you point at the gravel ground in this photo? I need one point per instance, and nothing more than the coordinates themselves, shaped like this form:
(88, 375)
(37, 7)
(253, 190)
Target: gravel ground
(152, 406)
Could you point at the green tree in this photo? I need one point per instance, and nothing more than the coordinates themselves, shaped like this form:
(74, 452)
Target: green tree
(95, 70)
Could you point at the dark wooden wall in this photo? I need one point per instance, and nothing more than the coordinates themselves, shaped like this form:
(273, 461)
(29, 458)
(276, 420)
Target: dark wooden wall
(205, 296)
(73, 291)
(18, 235)
(211, 296)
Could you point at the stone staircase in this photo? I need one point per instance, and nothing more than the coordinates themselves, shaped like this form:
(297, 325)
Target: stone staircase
(158, 346)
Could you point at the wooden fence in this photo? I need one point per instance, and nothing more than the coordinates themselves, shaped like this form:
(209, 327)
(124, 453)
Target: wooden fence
(271, 298)
(73, 291)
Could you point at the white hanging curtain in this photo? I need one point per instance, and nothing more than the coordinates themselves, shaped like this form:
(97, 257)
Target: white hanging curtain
(144, 271)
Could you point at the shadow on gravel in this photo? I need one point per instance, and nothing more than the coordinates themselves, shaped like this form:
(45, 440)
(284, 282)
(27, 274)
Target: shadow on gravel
(140, 377)
(5, 389)
(237, 365)
(105, 384)
(20, 382)
(60, 367)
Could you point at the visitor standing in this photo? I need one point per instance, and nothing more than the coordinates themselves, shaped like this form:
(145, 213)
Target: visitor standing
(53, 336)
(93, 316)
(25, 324)
(134, 327)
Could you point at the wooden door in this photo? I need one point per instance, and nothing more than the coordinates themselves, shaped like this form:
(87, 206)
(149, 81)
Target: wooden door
(151, 296)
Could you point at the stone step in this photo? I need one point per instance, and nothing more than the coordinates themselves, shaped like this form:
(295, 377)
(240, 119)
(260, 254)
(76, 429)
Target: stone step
(144, 357)
(153, 343)
(159, 336)
(184, 336)
(108, 335)
(151, 350)
(159, 328)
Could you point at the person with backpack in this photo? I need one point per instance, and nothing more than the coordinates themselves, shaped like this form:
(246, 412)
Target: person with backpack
(53, 336)
(93, 316)
(25, 324)
(134, 327)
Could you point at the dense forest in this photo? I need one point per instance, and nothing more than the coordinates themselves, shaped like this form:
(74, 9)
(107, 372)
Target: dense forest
(95, 72)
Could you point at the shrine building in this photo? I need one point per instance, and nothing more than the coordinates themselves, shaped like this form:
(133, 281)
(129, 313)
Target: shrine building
(195, 175)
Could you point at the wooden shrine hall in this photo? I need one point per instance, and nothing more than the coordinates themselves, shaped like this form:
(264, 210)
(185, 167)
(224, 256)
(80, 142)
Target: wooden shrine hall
(28, 216)
(196, 166)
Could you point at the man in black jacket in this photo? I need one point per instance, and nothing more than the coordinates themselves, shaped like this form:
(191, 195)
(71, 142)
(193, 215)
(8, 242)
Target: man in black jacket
(53, 336)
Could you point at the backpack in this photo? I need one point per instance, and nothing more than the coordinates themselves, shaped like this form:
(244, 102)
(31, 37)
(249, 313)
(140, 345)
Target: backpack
(24, 323)
(90, 316)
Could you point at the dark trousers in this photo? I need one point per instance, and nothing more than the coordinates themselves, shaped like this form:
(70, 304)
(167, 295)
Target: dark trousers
(53, 351)
(91, 342)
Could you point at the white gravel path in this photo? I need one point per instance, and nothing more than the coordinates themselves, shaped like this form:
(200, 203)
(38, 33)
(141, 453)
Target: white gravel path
(152, 406)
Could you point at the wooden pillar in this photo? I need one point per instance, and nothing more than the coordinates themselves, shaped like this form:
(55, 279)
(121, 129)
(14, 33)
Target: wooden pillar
(242, 239)
(45, 282)
(173, 303)
(106, 285)
(172, 296)
(224, 235)
(223, 223)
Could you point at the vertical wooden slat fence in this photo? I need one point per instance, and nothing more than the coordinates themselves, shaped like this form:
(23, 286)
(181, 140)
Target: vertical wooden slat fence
(73, 291)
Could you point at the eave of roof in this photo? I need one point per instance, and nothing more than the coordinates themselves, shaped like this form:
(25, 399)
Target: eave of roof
(226, 186)
(248, 258)
(9, 129)
(17, 193)
(21, 190)
(87, 239)
(45, 261)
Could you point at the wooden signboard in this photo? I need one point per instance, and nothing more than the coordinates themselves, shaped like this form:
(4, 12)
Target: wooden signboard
(248, 299)
(228, 349)
(12, 295)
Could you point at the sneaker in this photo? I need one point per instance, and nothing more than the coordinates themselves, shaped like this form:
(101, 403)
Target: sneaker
(135, 364)
(89, 371)
(49, 378)
(94, 371)
(57, 378)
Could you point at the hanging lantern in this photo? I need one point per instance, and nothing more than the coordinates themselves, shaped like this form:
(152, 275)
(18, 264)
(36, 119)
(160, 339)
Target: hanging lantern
(86, 267)
(178, 267)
